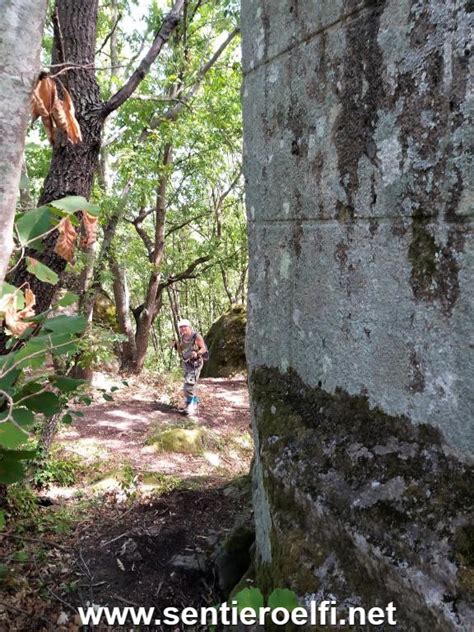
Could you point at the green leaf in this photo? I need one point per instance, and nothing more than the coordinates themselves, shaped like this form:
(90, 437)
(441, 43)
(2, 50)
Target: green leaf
(78, 413)
(11, 436)
(66, 384)
(58, 343)
(107, 397)
(41, 272)
(21, 556)
(114, 388)
(249, 598)
(46, 403)
(2, 519)
(23, 416)
(35, 347)
(28, 389)
(283, 598)
(34, 223)
(22, 455)
(67, 419)
(63, 343)
(73, 203)
(11, 470)
(66, 324)
(6, 288)
(68, 299)
(9, 379)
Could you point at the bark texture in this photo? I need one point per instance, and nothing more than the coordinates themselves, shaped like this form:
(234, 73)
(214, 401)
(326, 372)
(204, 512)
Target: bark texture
(21, 28)
(73, 167)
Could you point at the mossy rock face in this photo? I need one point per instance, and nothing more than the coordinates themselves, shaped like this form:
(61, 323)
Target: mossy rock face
(353, 502)
(186, 441)
(226, 343)
(105, 312)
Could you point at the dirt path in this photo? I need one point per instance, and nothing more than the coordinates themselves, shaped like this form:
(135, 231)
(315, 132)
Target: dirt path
(147, 523)
(117, 431)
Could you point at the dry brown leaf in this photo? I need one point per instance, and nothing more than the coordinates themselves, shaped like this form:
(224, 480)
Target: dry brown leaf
(37, 107)
(67, 240)
(74, 131)
(50, 128)
(30, 302)
(59, 115)
(44, 96)
(14, 318)
(6, 301)
(42, 103)
(54, 112)
(89, 223)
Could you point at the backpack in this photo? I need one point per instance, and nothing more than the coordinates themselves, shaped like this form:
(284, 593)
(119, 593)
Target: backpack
(205, 355)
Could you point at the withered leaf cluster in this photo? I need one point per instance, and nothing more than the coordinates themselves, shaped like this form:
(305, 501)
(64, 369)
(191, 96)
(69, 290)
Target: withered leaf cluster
(66, 242)
(55, 113)
(14, 318)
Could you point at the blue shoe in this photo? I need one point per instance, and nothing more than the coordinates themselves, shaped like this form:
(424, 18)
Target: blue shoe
(193, 405)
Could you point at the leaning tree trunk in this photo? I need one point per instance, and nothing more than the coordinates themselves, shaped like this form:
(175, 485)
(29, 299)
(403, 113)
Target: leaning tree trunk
(21, 29)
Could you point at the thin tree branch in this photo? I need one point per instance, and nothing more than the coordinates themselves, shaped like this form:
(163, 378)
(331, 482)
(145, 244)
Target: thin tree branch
(170, 23)
(119, 17)
(185, 274)
(172, 113)
(58, 34)
(147, 240)
(152, 97)
(234, 182)
(176, 227)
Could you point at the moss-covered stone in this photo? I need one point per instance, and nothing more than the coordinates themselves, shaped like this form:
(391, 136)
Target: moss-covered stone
(105, 312)
(184, 440)
(364, 506)
(226, 343)
(434, 268)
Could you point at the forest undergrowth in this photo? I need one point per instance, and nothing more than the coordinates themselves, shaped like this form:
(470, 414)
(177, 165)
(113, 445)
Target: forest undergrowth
(130, 507)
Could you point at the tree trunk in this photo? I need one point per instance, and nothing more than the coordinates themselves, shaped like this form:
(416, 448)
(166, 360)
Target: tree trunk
(153, 300)
(72, 167)
(21, 30)
(88, 296)
(48, 432)
(122, 303)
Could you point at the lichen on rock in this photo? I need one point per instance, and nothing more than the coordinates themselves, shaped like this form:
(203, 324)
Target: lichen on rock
(365, 506)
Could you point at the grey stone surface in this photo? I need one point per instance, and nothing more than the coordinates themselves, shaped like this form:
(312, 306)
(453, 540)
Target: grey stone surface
(358, 201)
(356, 138)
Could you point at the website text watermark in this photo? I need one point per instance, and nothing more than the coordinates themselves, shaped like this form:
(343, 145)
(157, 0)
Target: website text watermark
(324, 613)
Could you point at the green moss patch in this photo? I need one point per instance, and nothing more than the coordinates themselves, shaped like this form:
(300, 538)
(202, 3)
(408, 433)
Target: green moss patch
(183, 440)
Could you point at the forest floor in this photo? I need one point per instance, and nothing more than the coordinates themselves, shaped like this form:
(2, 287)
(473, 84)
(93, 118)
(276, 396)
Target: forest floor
(120, 518)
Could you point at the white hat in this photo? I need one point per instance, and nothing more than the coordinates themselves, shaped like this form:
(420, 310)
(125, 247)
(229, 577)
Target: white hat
(184, 323)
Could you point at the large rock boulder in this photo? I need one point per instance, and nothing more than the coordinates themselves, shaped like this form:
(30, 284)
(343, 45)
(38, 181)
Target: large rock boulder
(226, 343)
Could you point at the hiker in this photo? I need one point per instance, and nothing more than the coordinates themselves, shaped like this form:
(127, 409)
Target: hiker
(193, 351)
